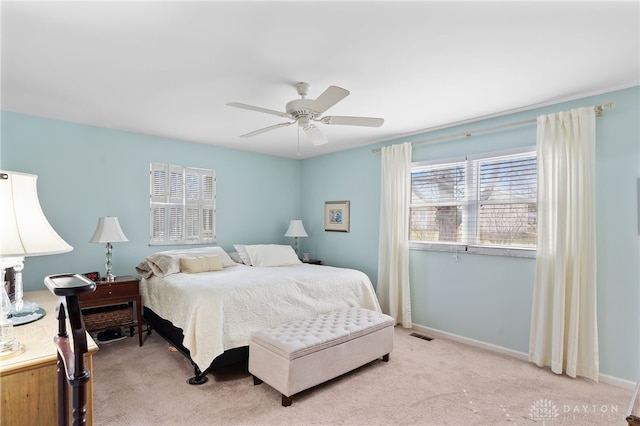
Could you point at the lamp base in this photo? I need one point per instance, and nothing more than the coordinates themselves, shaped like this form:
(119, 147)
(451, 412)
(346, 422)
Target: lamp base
(8, 343)
(12, 350)
(26, 308)
(27, 317)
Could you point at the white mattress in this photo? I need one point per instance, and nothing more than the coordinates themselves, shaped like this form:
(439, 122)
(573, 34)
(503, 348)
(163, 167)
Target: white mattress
(220, 310)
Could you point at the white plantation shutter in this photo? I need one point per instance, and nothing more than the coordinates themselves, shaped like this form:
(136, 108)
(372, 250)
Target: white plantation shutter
(175, 224)
(479, 203)
(207, 206)
(176, 185)
(182, 205)
(159, 198)
(192, 201)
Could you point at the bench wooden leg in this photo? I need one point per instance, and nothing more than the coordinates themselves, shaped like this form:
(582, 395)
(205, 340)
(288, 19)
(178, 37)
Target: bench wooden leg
(286, 401)
(385, 358)
(256, 381)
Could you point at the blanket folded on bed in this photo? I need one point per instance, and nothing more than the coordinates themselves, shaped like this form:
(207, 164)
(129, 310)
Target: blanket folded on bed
(166, 263)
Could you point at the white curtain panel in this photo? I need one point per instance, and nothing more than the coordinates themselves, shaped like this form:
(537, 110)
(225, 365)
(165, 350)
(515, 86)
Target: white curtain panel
(393, 253)
(564, 331)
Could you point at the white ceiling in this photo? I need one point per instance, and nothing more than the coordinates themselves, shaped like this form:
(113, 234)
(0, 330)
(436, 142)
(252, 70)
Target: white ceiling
(169, 68)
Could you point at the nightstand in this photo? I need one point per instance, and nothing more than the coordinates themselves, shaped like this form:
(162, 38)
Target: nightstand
(112, 305)
(313, 261)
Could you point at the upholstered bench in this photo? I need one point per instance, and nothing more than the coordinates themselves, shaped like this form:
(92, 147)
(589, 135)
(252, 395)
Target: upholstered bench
(301, 354)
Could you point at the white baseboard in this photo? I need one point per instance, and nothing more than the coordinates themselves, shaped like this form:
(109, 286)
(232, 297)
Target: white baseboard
(616, 381)
(432, 332)
(472, 342)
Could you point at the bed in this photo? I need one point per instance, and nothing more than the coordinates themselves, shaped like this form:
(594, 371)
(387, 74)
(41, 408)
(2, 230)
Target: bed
(209, 309)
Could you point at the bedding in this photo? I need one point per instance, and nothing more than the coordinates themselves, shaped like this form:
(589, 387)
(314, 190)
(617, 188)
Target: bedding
(220, 310)
(165, 263)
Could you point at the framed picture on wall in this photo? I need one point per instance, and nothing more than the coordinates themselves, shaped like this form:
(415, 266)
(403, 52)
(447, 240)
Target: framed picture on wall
(336, 216)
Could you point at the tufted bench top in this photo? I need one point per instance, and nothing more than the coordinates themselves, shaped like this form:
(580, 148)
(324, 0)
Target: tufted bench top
(299, 338)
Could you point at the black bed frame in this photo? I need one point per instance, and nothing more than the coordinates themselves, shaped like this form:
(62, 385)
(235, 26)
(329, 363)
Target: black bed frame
(175, 336)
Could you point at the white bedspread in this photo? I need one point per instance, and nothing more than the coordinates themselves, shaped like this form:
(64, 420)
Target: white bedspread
(220, 310)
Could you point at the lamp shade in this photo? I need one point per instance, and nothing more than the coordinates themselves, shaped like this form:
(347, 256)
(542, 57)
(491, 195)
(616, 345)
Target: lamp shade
(296, 229)
(108, 231)
(24, 229)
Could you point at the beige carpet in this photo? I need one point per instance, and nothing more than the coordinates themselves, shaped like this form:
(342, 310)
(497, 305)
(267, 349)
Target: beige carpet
(436, 382)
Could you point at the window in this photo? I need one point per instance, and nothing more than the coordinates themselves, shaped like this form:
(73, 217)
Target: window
(483, 204)
(182, 209)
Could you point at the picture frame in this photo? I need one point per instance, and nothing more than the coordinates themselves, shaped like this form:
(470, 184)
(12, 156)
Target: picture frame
(336, 216)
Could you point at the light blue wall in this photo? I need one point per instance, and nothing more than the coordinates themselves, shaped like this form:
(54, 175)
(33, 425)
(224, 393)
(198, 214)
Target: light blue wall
(488, 298)
(350, 175)
(86, 172)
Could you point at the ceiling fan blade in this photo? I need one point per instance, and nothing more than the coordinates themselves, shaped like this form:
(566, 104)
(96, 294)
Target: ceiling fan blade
(329, 98)
(259, 109)
(315, 135)
(265, 129)
(353, 121)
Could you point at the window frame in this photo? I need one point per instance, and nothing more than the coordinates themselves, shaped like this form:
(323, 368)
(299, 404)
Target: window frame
(473, 203)
(185, 205)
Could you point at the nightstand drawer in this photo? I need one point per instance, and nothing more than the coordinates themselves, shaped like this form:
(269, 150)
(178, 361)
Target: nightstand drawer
(106, 290)
(122, 287)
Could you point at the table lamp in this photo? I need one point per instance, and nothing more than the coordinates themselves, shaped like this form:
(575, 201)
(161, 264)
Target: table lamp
(24, 228)
(108, 231)
(296, 229)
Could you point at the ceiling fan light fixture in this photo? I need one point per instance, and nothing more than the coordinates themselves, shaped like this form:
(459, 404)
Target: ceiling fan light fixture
(304, 110)
(303, 122)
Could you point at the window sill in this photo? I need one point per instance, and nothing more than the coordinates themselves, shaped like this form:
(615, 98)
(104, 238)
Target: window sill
(492, 251)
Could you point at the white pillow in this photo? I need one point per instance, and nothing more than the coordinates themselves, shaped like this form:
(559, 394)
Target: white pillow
(203, 251)
(272, 255)
(235, 257)
(242, 253)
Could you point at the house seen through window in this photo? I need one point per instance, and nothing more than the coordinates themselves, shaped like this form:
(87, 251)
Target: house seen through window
(483, 203)
(182, 205)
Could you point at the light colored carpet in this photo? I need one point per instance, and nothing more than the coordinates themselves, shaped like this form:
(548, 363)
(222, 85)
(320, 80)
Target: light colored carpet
(438, 382)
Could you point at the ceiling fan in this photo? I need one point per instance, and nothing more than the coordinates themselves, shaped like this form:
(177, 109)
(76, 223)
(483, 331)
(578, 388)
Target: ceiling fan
(305, 111)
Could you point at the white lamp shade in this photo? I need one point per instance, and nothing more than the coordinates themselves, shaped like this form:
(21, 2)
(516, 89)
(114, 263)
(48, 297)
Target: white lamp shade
(108, 231)
(24, 229)
(296, 229)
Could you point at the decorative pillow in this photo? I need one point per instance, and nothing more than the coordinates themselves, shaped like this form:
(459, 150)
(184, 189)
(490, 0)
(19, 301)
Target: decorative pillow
(192, 265)
(271, 255)
(242, 253)
(206, 251)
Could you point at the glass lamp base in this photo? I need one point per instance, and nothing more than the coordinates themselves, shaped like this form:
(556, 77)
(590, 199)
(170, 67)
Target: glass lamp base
(27, 307)
(10, 350)
(8, 343)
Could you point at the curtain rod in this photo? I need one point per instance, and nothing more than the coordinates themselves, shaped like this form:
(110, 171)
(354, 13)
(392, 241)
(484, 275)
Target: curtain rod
(598, 109)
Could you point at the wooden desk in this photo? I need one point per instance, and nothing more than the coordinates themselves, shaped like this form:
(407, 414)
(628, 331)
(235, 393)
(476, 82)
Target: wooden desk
(28, 381)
